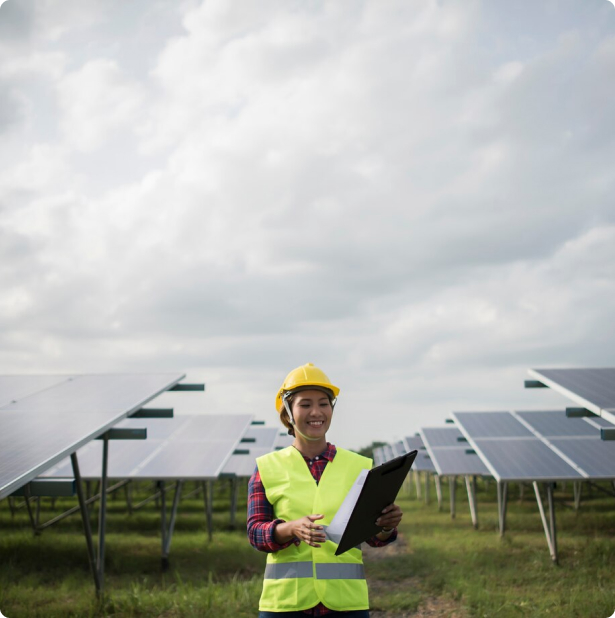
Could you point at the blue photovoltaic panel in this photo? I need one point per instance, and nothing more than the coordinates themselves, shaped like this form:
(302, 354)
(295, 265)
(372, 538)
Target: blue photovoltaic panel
(389, 453)
(413, 443)
(283, 440)
(265, 437)
(596, 457)
(525, 459)
(594, 385)
(492, 425)
(575, 439)
(600, 422)
(378, 456)
(13, 388)
(423, 462)
(399, 448)
(243, 465)
(196, 447)
(457, 462)
(442, 436)
(449, 453)
(555, 423)
(41, 428)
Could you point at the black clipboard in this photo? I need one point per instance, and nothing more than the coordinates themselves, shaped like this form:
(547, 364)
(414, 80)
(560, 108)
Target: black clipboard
(381, 486)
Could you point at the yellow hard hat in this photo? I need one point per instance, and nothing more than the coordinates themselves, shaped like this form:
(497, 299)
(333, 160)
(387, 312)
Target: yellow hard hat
(304, 377)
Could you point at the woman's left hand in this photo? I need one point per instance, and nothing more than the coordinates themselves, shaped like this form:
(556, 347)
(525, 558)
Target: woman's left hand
(391, 516)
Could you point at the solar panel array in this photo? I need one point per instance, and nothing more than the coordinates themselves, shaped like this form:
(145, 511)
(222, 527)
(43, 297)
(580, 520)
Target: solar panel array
(593, 389)
(576, 440)
(423, 462)
(449, 452)
(514, 449)
(45, 418)
(243, 464)
(187, 447)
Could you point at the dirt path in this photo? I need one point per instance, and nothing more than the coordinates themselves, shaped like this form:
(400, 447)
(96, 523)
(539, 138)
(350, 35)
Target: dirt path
(430, 607)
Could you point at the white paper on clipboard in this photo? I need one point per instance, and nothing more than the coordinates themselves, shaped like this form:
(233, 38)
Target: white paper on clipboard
(336, 528)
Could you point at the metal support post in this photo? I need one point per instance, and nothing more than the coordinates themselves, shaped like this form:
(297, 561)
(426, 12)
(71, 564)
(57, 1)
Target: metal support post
(502, 500)
(438, 483)
(208, 499)
(417, 483)
(452, 481)
(29, 507)
(550, 487)
(102, 514)
(471, 489)
(85, 518)
(234, 492)
(128, 494)
(577, 489)
(168, 534)
(427, 484)
(163, 515)
(549, 531)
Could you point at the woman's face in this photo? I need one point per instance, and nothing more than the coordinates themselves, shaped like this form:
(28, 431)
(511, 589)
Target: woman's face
(312, 412)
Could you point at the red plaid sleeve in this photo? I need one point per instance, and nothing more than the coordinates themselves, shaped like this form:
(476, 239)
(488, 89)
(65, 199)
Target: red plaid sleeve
(261, 519)
(376, 542)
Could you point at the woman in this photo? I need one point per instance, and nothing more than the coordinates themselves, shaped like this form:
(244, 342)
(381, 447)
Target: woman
(292, 497)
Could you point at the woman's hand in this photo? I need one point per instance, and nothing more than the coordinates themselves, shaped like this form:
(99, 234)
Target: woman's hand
(304, 529)
(390, 518)
(307, 531)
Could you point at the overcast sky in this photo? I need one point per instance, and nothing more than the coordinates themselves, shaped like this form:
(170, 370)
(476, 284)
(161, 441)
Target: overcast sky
(417, 196)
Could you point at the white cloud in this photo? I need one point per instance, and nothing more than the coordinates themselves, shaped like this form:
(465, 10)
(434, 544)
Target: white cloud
(96, 100)
(416, 197)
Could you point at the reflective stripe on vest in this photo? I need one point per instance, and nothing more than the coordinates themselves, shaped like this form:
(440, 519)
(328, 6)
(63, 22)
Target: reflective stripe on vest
(339, 571)
(287, 570)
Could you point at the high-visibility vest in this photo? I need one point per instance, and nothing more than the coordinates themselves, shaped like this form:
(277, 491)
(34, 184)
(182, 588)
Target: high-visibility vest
(300, 577)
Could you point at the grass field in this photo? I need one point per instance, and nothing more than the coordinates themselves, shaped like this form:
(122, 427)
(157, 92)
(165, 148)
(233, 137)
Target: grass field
(439, 567)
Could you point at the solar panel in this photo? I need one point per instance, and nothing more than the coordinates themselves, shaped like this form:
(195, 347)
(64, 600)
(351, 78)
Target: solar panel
(525, 459)
(423, 462)
(555, 423)
(413, 443)
(575, 439)
(16, 387)
(598, 421)
(187, 447)
(592, 388)
(243, 465)
(389, 453)
(399, 448)
(378, 456)
(261, 437)
(449, 455)
(44, 425)
(283, 440)
(441, 436)
(596, 457)
(514, 454)
(492, 425)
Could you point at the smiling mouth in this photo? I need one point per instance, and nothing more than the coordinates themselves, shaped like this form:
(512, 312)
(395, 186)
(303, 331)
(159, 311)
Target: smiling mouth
(316, 423)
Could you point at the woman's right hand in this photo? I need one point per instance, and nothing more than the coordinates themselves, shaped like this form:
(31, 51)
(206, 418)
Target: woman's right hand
(303, 529)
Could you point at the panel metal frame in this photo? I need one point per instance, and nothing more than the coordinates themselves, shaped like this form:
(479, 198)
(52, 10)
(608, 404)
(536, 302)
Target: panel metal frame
(607, 414)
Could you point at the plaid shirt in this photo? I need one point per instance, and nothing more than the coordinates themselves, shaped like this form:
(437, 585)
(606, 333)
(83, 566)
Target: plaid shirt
(262, 522)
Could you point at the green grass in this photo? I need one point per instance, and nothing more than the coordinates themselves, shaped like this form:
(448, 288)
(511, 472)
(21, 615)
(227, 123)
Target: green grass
(442, 564)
